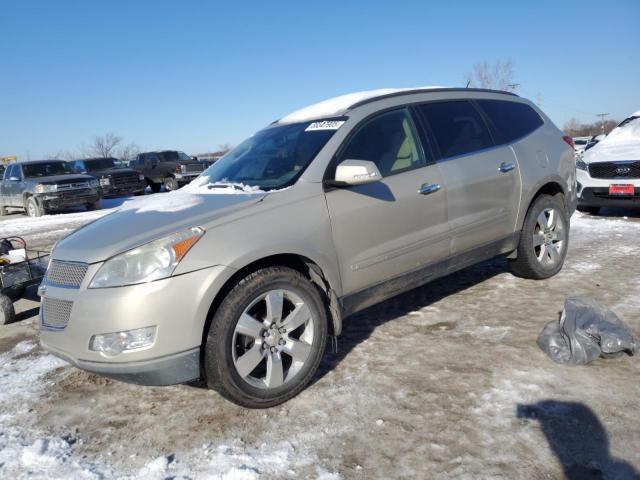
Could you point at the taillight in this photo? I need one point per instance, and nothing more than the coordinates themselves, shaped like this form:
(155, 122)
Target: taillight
(569, 141)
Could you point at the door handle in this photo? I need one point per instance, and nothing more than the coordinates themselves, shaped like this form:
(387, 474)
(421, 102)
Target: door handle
(506, 167)
(428, 188)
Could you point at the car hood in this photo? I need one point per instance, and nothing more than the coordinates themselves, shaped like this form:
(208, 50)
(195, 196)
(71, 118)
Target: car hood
(623, 143)
(60, 179)
(148, 218)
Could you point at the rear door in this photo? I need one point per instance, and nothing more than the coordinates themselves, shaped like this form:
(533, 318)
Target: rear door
(482, 178)
(388, 228)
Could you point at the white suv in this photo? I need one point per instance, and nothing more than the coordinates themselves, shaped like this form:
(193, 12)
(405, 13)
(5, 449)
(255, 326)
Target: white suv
(609, 173)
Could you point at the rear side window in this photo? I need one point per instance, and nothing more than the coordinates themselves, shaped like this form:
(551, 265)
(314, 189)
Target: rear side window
(389, 140)
(457, 126)
(511, 120)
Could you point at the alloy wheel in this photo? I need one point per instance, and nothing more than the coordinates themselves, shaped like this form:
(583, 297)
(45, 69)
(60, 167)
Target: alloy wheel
(272, 339)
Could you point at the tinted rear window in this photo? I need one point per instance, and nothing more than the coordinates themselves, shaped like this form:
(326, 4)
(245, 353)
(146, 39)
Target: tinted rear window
(457, 126)
(511, 120)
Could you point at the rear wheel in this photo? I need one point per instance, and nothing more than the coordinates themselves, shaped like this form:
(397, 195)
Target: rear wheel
(266, 339)
(33, 208)
(544, 239)
(589, 210)
(7, 312)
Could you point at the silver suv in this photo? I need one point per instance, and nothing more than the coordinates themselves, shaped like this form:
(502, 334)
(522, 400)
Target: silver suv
(240, 277)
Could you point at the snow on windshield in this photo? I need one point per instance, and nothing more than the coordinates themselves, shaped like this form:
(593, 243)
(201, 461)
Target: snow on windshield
(623, 143)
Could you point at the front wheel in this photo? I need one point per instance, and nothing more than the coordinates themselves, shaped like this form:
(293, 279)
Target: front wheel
(589, 210)
(33, 208)
(544, 239)
(155, 187)
(94, 205)
(266, 339)
(170, 184)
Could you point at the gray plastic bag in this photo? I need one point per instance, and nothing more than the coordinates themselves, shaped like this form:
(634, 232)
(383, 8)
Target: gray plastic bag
(586, 330)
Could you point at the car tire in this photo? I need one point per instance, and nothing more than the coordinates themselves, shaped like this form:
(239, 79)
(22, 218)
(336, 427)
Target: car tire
(155, 187)
(94, 205)
(33, 208)
(589, 210)
(7, 312)
(170, 184)
(266, 339)
(544, 239)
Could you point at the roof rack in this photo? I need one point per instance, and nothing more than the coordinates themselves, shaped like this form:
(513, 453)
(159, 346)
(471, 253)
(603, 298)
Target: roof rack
(427, 90)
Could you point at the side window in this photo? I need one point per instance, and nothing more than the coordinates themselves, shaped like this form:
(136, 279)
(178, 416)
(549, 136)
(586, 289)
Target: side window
(511, 120)
(457, 126)
(151, 157)
(78, 166)
(389, 140)
(9, 172)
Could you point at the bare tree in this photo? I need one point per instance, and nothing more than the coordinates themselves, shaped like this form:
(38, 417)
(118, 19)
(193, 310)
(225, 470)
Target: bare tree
(67, 155)
(104, 146)
(575, 128)
(498, 76)
(128, 152)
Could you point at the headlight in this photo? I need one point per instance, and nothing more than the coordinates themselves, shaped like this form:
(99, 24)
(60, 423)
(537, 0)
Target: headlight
(42, 188)
(112, 344)
(581, 165)
(93, 183)
(105, 182)
(141, 177)
(146, 263)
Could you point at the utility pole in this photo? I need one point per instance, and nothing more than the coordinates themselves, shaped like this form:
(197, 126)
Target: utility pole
(513, 86)
(601, 115)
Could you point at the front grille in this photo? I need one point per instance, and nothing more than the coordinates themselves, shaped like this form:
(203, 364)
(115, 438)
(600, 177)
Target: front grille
(63, 187)
(55, 313)
(194, 167)
(121, 180)
(614, 170)
(66, 274)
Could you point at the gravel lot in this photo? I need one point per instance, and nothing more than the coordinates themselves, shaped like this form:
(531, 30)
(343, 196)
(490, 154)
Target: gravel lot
(445, 382)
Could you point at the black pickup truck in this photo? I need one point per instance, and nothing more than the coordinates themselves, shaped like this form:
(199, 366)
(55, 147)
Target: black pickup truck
(114, 180)
(46, 185)
(170, 168)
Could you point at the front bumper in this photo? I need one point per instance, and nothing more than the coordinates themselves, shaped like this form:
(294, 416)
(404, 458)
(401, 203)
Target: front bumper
(71, 198)
(178, 306)
(115, 190)
(594, 192)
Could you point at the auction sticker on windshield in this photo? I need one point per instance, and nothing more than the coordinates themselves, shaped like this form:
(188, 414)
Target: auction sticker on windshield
(325, 125)
(621, 189)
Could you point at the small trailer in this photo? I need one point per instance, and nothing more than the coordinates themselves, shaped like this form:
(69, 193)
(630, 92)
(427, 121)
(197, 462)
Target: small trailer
(16, 276)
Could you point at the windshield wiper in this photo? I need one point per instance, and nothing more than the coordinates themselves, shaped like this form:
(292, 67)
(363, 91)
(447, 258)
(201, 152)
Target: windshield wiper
(225, 185)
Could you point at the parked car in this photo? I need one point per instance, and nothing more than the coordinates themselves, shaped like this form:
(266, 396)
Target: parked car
(593, 141)
(170, 168)
(46, 185)
(325, 212)
(114, 179)
(609, 173)
(580, 144)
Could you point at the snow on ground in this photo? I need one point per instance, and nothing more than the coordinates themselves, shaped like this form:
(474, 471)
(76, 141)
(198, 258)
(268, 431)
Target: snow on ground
(445, 381)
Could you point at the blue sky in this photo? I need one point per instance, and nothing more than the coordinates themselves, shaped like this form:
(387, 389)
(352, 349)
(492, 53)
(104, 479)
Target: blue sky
(191, 75)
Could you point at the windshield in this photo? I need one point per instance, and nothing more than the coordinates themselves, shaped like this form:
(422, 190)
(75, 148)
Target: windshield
(273, 158)
(173, 157)
(46, 169)
(99, 164)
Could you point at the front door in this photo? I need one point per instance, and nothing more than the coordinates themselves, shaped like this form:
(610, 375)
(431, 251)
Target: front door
(388, 228)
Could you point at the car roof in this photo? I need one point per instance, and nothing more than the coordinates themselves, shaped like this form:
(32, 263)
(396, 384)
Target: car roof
(338, 106)
(34, 162)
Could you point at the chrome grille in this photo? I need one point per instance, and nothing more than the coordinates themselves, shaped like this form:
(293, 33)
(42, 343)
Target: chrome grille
(66, 274)
(63, 187)
(55, 313)
(194, 167)
(614, 170)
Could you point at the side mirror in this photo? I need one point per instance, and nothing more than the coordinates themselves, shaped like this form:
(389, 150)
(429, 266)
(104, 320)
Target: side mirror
(357, 172)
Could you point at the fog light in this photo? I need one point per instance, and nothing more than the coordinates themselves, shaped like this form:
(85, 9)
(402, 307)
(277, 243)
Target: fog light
(112, 344)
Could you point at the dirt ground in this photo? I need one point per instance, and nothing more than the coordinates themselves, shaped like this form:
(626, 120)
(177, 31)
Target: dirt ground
(443, 382)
